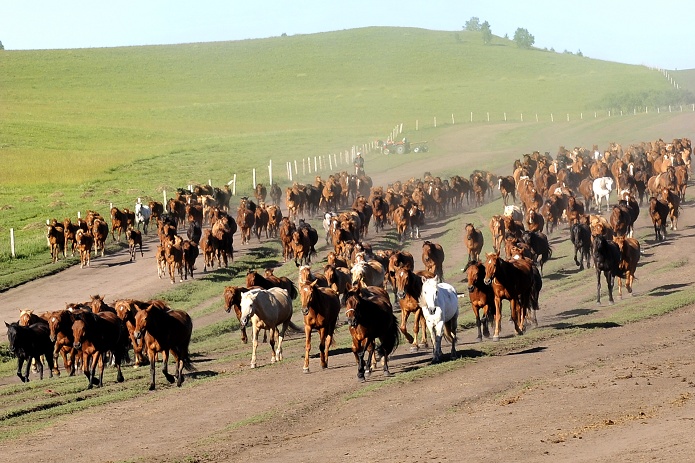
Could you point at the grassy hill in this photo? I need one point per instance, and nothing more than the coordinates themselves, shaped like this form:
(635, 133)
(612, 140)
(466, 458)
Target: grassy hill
(82, 128)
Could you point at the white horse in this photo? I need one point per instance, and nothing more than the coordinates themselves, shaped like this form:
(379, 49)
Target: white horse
(267, 309)
(602, 187)
(328, 225)
(441, 310)
(142, 215)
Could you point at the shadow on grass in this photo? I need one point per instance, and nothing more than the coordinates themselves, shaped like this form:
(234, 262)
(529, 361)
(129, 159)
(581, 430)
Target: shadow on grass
(532, 350)
(202, 374)
(665, 290)
(584, 326)
(576, 313)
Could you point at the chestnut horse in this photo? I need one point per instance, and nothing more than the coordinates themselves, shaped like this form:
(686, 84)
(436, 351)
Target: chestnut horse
(481, 296)
(254, 278)
(474, 242)
(370, 316)
(409, 289)
(164, 331)
(95, 334)
(320, 307)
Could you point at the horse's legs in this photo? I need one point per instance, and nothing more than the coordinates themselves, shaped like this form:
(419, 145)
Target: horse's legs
(610, 279)
(326, 340)
(420, 320)
(20, 362)
(101, 371)
(152, 357)
(478, 323)
(498, 319)
(598, 285)
(254, 345)
(281, 336)
(165, 368)
(404, 329)
(307, 347)
(271, 341)
(93, 361)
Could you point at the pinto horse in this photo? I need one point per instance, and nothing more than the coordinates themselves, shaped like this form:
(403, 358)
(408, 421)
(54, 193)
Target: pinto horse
(95, 334)
(267, 309)
(165, 331)
(607, 258)
(513, 280)
(370, 316)
(441, 310)
(29, 343)
(481, 296)
(320, 307)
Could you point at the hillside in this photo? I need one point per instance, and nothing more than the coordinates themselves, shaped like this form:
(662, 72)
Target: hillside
(80, 129)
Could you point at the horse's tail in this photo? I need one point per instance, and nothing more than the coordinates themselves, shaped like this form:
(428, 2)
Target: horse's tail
(295, 327)
(390, 338)
(187, 364)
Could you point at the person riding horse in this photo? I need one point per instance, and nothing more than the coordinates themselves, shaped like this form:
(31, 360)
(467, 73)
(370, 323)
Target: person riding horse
(359, 164)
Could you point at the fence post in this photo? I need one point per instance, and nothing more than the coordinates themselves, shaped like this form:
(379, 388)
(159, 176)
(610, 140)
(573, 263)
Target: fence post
(505, 117)
(253, 187)
(522, 117)
(488, 117)
(416, 125)
(471, 116)
(536, 117)
(12, 242)
(452, 119)
(315, 165)
(209, 182)
(234, 186)
(296, 172)
(164, 196)
(330, 163)
(568, 117)
(552, 119)
(435, 121)
(270, 172)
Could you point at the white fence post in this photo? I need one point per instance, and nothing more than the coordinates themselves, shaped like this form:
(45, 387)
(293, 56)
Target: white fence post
(452, 119)
(330, 162)
(552, 119)
(270, 172)
(471, 116)
(254, 178)
(315, 164)
(164, 197)
(234, 186)
(416, 125)
(435, 121)
(505, 117)
(12, 242)
(488, 117)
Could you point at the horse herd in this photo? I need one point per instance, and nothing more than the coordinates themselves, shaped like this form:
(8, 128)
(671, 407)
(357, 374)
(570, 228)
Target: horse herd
(545, 193)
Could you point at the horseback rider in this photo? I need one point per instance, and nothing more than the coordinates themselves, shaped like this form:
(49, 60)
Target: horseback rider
(359, 163)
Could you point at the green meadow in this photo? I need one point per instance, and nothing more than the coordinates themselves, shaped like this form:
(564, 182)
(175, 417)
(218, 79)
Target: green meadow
(80, 129)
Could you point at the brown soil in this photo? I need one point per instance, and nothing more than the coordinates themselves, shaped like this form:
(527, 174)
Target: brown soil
(617, 392)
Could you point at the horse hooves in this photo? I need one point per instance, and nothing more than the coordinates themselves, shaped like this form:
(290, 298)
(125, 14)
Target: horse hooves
(170, 378)
(152, 387)
(253, 365)
(479, 339)
(305, 370)
(495, 338)
(120, 378)
(388, 374)
(414, 348)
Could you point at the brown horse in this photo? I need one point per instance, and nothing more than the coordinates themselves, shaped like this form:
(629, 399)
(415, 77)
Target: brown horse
(320, 307)
(95, 334)
(60, 326)
(254, 278)
(482, 297)
(370, 316)
(629, 257)
(516, 282)
(164, 331)
(474, 242)
(433, 258)
(658, 211)
(409, 289)
(126, 309)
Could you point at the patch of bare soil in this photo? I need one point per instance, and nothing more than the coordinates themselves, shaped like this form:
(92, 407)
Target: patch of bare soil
(610, 392)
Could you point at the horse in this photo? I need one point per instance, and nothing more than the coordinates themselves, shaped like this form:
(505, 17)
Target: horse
(630, 255)
(142, 216)
(320, 307)
(370, 316)
(60, 332)
(371, 273)
(606, 255)
(165, 331)
(267, 309)
(474, 242)
(481, 296)
(580, 235)
(513, 280)
(254, 278)
(95, 334)
(673, 201)
(433, 258)
(440, 310)
(408, 287)
(602, 188)
(29, 343)
(497, 231)
(658, 211)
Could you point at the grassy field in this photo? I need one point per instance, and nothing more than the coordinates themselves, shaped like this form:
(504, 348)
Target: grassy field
(80, 129)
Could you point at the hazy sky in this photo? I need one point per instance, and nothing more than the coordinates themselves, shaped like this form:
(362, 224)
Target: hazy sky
(654, 33)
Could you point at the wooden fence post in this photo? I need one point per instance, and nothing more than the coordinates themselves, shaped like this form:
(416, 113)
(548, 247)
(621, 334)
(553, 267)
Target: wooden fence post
(253, 187)
(234, 186)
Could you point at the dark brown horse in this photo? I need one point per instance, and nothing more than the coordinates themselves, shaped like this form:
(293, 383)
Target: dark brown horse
(232, 300)
(482, 297)
(165, 331)
(320, 307)
(607, 257)
(126, 309)
(254, 278)
(95, 334)
(513, 280)
(60, 326)
(370, 316)
(29, 343)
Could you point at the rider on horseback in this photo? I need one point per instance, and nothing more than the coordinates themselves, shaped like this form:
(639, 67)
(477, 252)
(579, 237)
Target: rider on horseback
(359, 164)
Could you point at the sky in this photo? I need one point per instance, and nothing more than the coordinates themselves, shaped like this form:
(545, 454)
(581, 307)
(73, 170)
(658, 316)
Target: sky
(643, 32)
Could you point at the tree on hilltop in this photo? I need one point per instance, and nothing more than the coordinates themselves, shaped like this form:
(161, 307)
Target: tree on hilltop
(523, 38)
(472, 24)
(487, 32)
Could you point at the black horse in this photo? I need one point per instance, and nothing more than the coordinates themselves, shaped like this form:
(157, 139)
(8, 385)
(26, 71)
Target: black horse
(580, 235)
(370, 316)
(607, 260)
(30, 342)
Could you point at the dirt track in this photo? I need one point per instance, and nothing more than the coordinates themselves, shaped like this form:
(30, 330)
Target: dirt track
(615, 392)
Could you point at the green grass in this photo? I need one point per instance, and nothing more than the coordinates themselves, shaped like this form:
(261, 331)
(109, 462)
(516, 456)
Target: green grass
(80, 129)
